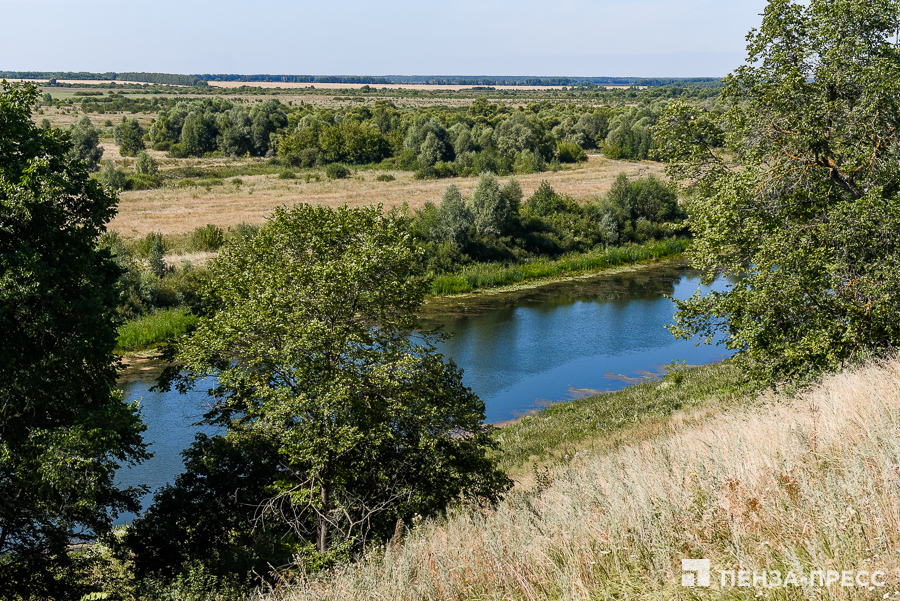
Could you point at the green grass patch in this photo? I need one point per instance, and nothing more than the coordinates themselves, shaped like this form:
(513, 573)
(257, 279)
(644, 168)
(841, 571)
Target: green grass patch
(637, 412)
(492, 275)
(154, 329)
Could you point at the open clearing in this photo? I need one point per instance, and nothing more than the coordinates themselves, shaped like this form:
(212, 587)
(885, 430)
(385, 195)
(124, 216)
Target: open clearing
(174, 211)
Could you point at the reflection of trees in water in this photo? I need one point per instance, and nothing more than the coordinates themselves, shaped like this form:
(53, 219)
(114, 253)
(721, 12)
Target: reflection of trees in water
(532, 330)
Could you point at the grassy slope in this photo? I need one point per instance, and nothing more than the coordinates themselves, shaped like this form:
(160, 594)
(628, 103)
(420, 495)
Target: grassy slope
(770, 483)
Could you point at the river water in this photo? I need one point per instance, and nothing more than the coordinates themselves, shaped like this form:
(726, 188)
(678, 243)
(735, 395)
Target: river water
(519, 351)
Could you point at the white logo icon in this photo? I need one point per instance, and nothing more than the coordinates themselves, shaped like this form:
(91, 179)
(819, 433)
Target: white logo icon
(695, 572)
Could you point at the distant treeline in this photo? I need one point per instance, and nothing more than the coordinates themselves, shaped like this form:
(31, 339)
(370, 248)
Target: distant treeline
(158, 78)
(467, 80)
(202, 79)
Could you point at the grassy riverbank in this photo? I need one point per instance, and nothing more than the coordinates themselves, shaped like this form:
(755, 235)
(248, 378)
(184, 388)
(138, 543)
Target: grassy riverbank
(154, 329)
(484, 276)
(694, 466)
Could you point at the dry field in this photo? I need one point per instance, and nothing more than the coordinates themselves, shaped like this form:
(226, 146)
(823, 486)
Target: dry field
(174, 211)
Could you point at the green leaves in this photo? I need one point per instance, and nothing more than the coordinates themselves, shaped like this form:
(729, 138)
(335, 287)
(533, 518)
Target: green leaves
(309, 336)
(805, 208)
(64, 428)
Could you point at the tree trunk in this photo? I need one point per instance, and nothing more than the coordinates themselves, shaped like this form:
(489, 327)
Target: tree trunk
(323, 516)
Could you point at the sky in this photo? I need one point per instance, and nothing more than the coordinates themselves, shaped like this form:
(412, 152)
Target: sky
(614, 38)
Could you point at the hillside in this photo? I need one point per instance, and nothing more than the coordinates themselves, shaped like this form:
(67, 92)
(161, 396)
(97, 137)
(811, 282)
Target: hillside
(789, 484)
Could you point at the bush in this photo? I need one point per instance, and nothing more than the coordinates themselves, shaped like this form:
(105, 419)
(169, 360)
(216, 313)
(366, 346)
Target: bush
(112, 177)
(569, 152)
(142, 182)
(287, 175)
(144, 164)
(337, 171)
(385, 177)
(208, 237)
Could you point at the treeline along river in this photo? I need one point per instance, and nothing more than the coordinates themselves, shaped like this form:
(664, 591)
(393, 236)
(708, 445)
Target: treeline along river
(520, 350)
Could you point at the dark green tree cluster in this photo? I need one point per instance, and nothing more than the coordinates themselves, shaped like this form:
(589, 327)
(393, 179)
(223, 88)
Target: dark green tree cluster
(445, 142)
(200, 127)
(64, 427)
(805, 206)
(496, 224)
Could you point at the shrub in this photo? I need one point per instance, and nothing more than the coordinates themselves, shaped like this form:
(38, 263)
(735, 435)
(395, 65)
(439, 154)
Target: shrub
(144, 164)
(287, 175)
(385, 177)
(142, 182)
(208, 237)
(569, 152)
(112, 177)
(337, 171)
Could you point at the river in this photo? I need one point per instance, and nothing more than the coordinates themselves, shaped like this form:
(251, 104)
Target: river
(519, 350)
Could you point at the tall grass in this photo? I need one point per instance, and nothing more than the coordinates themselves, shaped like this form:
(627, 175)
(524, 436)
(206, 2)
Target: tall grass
(791, 484)
(153, 329)
(492, 275)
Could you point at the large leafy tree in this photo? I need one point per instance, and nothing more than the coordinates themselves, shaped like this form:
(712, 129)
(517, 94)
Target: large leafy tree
(308, 335)
(806, 208)
(64, 429)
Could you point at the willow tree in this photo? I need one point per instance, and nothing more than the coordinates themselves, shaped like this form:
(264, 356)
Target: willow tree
(796, 188)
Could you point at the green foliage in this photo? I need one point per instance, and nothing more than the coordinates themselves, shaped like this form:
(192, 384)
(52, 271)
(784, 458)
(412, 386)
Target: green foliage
(85, 143)
(646, 198)
(569, 152)
(129, 136)
(207, 237)
(112, 178)
(338, 424)
(64, 430)
(491, 211)
(154, 329)
(336, 171)
(808, 217)
(453, 218)
(385, 177)
(144, 164)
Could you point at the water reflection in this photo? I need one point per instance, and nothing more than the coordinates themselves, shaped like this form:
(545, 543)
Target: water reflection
(523, 349)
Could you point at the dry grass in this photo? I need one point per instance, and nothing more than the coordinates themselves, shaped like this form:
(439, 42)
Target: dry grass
(175, 211)
(802, 484)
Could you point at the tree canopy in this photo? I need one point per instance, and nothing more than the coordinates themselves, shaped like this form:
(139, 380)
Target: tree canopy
(309, 337)
(807, 213)
(64, 428)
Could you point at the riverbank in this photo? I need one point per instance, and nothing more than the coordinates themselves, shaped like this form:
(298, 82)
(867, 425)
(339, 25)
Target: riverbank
(749, 481)
(148, 332)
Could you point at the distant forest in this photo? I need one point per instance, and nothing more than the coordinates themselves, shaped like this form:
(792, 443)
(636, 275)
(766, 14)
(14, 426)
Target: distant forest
(202, 79)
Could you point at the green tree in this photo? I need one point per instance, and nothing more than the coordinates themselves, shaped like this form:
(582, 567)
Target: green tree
(85, 143)
(308, 335)
(64, 428)
(144, 164)
(808, 214)
(453, 218)
(129, 135)
(491, 213)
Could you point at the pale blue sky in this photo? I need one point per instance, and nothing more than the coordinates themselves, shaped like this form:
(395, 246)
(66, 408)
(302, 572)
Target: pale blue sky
(647, 38)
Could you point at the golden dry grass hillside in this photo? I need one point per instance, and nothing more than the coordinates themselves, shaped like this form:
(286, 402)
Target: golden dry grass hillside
(803, 485)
